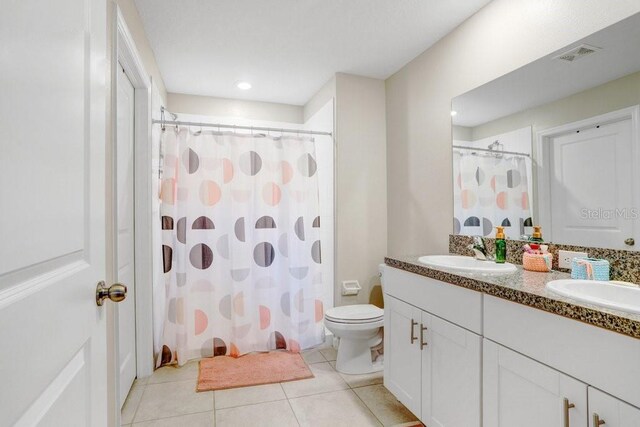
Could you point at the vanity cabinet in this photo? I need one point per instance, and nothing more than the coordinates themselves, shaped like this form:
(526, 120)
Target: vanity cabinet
(432, 366)
(451, 374)
(402, 355)
(455, 357)
(518, 391)
(603, 359)
(614, 412)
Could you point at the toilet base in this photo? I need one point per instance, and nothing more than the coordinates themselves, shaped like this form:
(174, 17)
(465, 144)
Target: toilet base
(354, 356)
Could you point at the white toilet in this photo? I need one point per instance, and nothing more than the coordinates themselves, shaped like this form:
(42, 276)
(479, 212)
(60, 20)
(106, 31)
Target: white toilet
(359, 329)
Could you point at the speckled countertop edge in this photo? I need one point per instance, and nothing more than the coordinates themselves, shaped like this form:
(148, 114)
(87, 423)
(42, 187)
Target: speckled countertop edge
(527, 288)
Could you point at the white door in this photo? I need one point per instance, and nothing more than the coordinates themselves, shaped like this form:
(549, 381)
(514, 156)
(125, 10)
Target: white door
(518, 391)
(124, 241)
(52, 213)
(612, 411)
(451, 374)
(592, 186)
(402, 352)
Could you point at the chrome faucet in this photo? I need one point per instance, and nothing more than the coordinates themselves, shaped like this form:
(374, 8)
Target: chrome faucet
(479, 248)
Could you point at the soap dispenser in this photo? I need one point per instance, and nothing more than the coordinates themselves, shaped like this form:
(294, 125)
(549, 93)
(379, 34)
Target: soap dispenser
(501, 246)
(537, 234)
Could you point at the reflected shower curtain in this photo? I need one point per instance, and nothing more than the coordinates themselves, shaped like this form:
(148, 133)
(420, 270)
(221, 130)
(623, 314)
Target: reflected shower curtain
(490, 190)
(241, 245)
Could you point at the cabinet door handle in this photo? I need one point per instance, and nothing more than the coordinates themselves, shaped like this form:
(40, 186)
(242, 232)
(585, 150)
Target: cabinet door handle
(597, 421)
(413, 325)
(567, 406)
(423, 343)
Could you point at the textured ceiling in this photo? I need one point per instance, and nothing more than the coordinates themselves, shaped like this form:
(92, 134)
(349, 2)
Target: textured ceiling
(288, 49)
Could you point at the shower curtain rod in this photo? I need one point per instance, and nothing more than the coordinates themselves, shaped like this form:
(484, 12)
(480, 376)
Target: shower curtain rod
(461, 147)
(252, 128)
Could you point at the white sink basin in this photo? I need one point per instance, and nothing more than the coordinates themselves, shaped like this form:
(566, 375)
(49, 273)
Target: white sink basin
(605, 294)
(466, 264)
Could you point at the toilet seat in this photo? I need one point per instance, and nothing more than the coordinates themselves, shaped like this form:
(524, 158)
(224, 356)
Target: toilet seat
(355, 314)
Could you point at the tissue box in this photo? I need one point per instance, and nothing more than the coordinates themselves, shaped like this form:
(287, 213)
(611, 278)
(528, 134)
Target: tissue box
(537, 262)
(590, 269)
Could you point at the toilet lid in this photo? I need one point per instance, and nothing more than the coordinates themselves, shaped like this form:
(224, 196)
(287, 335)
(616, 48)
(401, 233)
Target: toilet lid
(357, 313)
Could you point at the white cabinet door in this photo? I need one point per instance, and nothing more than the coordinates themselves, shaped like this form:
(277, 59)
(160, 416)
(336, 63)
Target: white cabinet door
(518, 391)
(612, 411)
(402, 353)
(451, 374)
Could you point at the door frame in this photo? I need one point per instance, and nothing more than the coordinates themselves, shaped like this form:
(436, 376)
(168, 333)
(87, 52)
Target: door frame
(542, 166)
(125, 53)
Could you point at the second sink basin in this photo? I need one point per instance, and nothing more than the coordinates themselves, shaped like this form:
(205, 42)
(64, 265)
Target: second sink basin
(605, 294)
(466, 264)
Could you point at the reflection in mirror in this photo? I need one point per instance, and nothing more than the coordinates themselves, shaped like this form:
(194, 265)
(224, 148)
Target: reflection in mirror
(555, 143)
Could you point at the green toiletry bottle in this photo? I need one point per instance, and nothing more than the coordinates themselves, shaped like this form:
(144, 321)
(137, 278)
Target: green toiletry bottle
(537, 234)
(501, 246)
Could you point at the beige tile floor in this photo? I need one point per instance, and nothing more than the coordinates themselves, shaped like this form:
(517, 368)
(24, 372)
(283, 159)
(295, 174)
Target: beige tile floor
(168, 398)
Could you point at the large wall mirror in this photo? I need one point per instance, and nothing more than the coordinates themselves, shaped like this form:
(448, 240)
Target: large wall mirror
(555, 143)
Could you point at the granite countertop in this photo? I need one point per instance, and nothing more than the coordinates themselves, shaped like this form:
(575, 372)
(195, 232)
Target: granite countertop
(527, 288)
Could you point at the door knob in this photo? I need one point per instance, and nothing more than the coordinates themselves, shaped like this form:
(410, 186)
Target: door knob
(116, 292)
(630, 241)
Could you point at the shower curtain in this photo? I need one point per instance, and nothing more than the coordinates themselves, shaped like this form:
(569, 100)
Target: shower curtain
(241, 245)
(490, 190)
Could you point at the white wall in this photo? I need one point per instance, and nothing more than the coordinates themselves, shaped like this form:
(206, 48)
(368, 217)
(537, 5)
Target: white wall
(361, 187)
(611, 96)
(134, 23)
(158, 273)
(322, 120)
(326, 93)
(223, 107)
(519, 140)
(503, 36)
(361, 190)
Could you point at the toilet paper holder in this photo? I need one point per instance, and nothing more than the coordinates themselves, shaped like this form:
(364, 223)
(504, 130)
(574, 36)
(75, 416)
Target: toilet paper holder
(351, 287)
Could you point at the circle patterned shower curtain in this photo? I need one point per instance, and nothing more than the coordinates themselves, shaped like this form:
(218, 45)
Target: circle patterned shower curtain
(241, 245)
(488, 191)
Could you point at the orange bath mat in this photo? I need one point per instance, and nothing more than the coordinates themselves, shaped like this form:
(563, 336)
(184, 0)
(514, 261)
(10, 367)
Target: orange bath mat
(222, 372)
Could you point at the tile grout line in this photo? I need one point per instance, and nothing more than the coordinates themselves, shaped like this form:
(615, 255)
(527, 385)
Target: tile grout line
(213, 395)
(135, 412)
(368, 408)
(169, 417)
(321, 393)
(251, 404)
(290, 406)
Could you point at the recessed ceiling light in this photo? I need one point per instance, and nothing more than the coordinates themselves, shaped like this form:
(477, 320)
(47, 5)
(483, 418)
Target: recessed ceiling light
(243, 85)
(453, 113)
